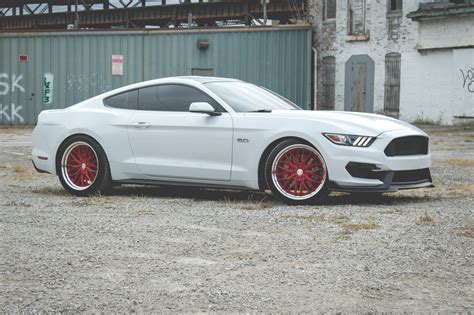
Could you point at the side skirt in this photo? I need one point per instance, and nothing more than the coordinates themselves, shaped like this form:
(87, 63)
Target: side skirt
(181, 184)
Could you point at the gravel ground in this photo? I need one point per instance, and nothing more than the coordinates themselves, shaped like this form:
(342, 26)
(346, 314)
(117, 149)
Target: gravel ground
(152, 249)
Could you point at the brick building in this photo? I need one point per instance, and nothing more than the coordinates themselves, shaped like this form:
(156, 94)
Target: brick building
(410, 59)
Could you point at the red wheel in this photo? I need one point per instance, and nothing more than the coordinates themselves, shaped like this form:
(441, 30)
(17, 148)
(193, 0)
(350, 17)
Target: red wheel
(80, 165)
(297, 172)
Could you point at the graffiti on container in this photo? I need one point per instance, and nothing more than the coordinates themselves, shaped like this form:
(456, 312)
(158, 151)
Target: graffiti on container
(468, 79)
(86, 82)
(11, 84)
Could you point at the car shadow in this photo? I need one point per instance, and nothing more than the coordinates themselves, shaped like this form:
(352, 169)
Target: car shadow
(202, 194)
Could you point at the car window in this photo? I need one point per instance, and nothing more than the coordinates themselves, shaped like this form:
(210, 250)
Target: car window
(172, 97)
(246, 97)
(127, 100)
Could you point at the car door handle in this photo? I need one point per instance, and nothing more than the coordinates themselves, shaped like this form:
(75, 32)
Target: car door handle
(141, 124)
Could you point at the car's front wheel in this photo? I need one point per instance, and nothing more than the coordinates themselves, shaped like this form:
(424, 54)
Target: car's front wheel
(82, 166)
(296, 173)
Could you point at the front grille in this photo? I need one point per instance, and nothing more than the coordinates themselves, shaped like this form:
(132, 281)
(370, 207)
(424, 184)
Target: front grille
(411, 145)
(405, 177)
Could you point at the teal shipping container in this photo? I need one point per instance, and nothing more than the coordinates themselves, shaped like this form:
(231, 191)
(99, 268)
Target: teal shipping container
(46, 70)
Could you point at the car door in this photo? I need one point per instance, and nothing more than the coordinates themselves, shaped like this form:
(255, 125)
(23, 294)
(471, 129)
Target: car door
(171, 143)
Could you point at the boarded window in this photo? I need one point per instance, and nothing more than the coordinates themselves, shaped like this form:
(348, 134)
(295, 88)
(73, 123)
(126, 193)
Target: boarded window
(329, 9)
(329, 80)
(392, 85)
(356, 17)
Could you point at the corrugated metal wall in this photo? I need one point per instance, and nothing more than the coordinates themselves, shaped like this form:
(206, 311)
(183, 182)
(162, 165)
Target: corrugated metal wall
(278, 58)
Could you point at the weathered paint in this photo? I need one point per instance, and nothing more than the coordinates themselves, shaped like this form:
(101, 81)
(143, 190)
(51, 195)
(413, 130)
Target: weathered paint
(278, 58)
(432, 54)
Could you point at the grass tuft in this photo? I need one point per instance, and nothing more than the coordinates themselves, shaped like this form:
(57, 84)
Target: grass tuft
(457, 162)
(51, 191)
(425, 218)
(353, 227)
(339, 219)
(309, 218)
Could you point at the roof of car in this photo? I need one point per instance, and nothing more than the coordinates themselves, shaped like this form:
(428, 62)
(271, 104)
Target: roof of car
(203, 79)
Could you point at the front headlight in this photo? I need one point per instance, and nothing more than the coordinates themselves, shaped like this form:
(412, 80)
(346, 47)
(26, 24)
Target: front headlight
(349, 140)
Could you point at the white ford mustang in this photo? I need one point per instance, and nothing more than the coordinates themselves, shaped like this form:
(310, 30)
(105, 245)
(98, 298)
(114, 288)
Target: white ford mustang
(226, 133)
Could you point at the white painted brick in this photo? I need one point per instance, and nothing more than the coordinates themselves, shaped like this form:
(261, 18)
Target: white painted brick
(431, 82)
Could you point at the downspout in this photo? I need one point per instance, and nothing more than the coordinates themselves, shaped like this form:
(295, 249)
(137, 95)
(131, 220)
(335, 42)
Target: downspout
(315, 78)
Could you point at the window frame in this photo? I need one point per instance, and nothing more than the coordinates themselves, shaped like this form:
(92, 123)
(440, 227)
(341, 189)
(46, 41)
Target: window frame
(394, 12)
(350, 22)
(325, 12)
(220, 108)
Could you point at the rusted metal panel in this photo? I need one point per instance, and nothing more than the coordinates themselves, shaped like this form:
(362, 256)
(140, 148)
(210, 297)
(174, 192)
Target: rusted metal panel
(80, 63)
(161, 15)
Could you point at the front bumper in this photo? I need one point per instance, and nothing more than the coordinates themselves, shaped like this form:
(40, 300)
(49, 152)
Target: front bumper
(374, 171)
(392, 181)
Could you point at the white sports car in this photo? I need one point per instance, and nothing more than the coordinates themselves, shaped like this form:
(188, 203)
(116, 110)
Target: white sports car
(225, 133)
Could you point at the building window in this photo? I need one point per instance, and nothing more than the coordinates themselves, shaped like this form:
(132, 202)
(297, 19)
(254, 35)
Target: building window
(392, 85)
(356, 17)
(329, 80)
(395, 6)
(329, 9)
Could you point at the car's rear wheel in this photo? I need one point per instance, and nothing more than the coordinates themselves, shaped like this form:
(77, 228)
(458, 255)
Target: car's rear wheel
(82, 166)
(296, 173)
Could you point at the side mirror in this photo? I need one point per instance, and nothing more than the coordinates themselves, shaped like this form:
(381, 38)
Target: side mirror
(204, 108)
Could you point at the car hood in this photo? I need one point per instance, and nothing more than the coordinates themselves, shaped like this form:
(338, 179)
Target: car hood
(349, 122)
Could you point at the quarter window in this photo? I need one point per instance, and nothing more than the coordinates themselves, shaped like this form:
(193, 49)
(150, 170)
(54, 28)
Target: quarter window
(127, 100)
(172, 97)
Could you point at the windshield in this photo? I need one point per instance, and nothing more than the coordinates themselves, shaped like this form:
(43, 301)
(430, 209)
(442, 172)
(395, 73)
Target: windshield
(246, 97)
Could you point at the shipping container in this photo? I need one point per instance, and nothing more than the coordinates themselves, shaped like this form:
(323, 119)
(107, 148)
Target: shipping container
(46, 70)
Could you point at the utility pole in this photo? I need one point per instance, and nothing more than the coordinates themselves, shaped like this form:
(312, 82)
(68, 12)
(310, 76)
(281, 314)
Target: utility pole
(264, 4)
(76, 22)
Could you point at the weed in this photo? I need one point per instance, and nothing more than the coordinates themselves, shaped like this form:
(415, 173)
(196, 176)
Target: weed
(94, 200)
(425, 218)
(339, 219)
(426, 122)
(145, 211)
(309, 218)
(17, 204)
(255, 206)
(50, 191)
(250, 204)
(344, 235)
(458, 162)
(391, 211)
(353, 227)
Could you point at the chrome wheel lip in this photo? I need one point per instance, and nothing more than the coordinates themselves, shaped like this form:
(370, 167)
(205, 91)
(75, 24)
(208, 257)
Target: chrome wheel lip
(64, 170)
(274, 167)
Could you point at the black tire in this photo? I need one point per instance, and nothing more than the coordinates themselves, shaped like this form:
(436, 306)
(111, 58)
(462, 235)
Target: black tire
(307, 190)
(85, 185)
